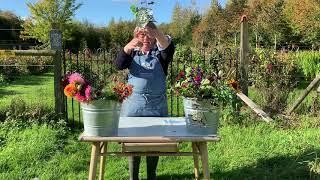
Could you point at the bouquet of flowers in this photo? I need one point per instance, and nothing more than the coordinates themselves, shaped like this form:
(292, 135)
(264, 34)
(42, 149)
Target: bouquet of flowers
(85, 89)
(143, 12)
(196, 82)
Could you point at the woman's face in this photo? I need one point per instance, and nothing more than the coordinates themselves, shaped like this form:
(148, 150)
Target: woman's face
(146, 40)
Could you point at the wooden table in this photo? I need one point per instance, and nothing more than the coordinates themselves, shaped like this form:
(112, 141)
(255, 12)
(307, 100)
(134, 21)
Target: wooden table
(152, 130)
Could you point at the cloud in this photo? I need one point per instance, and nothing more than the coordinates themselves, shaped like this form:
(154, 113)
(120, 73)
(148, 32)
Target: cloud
(24, 17)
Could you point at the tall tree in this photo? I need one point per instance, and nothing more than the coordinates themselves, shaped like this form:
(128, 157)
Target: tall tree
(304, 16)
(212, 27)
(183, 21)
(120, 32)
(49, 14)
(268, 22)
(233, 11)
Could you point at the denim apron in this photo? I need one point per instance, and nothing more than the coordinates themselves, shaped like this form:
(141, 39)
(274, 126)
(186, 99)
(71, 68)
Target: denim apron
(147, 77)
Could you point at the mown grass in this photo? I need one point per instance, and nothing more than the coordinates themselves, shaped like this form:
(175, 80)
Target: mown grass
(33, 90)
(261, 151)
(254, 150)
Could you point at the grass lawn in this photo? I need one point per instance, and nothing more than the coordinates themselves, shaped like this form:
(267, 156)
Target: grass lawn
(260, 151)
(256, 150)
(32, 89)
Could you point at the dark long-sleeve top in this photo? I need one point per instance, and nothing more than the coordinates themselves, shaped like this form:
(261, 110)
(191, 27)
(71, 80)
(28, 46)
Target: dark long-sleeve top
(165, 56)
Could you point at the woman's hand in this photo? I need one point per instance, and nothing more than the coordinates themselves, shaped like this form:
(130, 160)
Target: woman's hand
(135, 42)
(153, 32)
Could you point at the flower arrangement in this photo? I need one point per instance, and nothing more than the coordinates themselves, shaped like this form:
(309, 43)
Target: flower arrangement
(196, 82)
(86, 89)
(143, 12)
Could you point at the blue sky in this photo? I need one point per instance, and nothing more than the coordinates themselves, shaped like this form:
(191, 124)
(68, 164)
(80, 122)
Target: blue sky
(100, 12)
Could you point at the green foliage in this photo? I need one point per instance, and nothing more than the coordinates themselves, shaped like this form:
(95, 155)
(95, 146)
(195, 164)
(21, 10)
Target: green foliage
(47, 15)
(39, 113)
(309, 62)
(17, 106)
(120, 32)
(269, 23)
(303, 16)
(183, 21)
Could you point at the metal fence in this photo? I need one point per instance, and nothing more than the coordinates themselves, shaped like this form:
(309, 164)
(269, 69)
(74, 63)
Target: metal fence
(101, 61)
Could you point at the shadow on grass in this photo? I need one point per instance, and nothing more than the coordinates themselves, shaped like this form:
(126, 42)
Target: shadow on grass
(176, 177)
(4, 92)
(279, 167)
(75, 125)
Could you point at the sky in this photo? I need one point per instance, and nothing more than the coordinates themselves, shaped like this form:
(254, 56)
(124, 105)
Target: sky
(100, 12)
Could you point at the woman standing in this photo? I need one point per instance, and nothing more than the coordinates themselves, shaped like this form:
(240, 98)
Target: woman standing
(147, 56)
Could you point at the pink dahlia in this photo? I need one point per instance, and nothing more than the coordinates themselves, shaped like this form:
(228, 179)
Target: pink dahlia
(76, 78)
(80, 98)
(88, 93)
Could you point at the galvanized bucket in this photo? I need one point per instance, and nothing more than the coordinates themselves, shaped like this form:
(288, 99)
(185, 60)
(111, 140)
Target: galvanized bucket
(201, 115)
(101, 117)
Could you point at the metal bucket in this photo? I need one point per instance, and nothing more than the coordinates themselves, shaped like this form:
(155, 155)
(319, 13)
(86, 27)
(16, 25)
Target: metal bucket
(101, 117)
(201, 116)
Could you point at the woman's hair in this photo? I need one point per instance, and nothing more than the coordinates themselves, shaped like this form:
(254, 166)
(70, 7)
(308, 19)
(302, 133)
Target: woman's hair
(151, 25)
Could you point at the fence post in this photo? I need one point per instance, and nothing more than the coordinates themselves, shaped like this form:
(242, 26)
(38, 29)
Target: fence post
(244, 55)
(305, 93)
(275, 42)
(56, 44)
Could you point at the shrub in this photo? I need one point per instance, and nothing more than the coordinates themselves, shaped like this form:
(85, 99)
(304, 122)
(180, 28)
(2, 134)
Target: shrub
(274, 75)
(10, 69)
(38, 65)
(13, 67)
(309, 62)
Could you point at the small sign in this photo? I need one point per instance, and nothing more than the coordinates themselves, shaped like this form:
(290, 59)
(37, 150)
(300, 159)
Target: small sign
(56, 39)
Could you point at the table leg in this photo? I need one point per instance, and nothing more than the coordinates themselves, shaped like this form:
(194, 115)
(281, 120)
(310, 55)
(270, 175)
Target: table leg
(93, 161)
(204, 158)
(103, 147)
(195, 160)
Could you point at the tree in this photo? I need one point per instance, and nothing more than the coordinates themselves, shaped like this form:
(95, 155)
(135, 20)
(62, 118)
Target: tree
(8, 21)
(212, 26)
(183, 21)
(268, 22)
(47, 15)
(120, 32)
(304, 17)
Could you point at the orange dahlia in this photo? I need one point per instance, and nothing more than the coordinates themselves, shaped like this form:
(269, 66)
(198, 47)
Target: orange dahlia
(234, 84)
(70, 90)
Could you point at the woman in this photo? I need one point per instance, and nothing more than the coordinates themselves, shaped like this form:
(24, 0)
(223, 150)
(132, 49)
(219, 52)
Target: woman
(147, 56)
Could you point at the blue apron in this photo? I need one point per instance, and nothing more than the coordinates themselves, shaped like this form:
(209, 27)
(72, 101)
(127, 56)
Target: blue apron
(147, 77)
